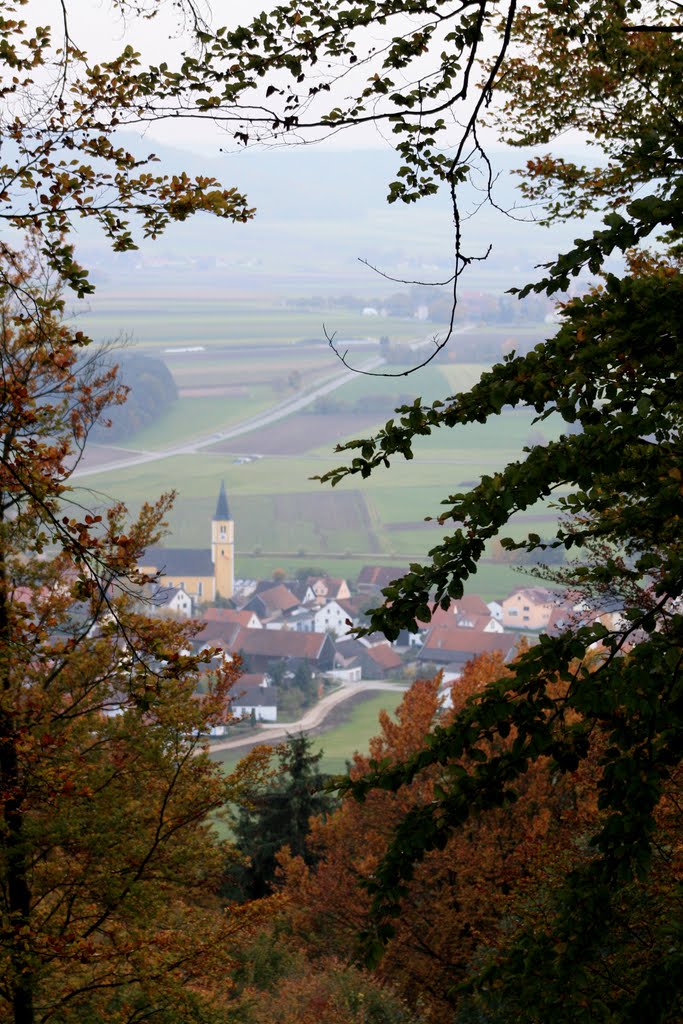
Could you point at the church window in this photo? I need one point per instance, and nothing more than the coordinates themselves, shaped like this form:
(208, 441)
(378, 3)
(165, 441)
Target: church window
(200, 588)
(223, 532)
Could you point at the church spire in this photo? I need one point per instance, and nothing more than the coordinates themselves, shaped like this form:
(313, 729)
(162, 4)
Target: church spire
(222, 509)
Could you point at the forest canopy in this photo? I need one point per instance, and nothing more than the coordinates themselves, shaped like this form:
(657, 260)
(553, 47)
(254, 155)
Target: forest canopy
(150, 392)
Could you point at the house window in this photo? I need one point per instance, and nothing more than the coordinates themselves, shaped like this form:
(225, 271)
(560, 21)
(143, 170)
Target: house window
(526, 607)
(526, 618)
(513, 611)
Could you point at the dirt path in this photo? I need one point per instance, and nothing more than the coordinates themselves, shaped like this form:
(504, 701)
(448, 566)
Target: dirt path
(314, 719)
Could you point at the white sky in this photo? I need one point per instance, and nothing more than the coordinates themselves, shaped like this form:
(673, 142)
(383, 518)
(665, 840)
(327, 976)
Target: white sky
(98, 28)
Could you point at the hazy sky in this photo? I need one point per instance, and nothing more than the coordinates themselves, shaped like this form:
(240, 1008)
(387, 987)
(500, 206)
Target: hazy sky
(98, 28)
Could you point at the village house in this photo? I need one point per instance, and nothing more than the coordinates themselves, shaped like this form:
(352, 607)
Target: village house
(373, 578)
(313, 618)
(376, 659)
(263, 648)
(271, 605)
(469, 612)
(221, 635)
(454, 647)
(325, 589)
(242, 617)
(528, 608)
(171, 601)
(255, 698)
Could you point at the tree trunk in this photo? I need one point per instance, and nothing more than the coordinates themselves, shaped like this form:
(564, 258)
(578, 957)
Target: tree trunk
(18, 893)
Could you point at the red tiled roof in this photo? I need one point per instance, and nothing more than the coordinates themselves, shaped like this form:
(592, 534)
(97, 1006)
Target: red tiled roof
(242, 618)
(248, 680)
(384, 656)
(280, 643)
(219, 634)
(441, 617)
(379, 575)
(478, 621)
(472, 604)
(278, 598)
(470, 641)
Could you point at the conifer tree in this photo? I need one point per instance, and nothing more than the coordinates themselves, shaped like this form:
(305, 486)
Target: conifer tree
(277, 815)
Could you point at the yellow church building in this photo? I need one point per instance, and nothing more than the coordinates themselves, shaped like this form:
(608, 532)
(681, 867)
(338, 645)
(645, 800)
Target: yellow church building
(203, 574)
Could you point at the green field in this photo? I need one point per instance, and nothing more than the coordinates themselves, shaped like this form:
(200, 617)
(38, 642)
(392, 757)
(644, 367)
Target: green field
(190, 418)
(284, 518)
(213, 321)
(340, 744)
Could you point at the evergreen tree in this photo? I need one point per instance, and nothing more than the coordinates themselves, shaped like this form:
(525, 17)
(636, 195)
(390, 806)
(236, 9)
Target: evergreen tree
(274, 815)
(304, 681)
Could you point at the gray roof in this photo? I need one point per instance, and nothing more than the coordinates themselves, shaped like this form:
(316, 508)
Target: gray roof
(256, 697)
(179, 561)
(164, 595)
(222, 508)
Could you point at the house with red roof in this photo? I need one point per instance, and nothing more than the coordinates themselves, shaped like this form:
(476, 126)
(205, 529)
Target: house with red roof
(454, 647)
(373, 578)
(262, 648)
(272, 604)
(243, 617)
(529, 608)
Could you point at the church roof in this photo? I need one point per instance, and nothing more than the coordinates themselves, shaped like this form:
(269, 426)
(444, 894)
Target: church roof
(222, 508)
(179, 561)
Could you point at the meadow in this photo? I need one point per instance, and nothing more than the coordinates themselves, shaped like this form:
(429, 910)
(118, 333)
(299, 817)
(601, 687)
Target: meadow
(214, 321)
(284, 517)
(340, 743)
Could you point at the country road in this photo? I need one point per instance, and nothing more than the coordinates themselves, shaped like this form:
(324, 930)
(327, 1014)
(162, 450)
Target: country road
(313, 718)
(263, 419)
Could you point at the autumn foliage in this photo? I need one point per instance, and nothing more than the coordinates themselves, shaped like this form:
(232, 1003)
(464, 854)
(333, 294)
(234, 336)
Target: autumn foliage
(473, 906)
(109, 866)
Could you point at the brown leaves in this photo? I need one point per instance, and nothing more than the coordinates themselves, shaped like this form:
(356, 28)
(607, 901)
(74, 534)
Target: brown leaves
(492, 871)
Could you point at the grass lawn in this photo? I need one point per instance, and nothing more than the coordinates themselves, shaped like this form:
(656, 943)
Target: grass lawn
(190, 418)
(297, 522)
(340, 744)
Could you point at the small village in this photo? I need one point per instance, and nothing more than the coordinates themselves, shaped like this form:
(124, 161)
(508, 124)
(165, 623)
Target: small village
(295, 637)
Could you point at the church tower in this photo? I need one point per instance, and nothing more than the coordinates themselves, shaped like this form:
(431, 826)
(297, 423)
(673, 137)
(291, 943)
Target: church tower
(223, 546)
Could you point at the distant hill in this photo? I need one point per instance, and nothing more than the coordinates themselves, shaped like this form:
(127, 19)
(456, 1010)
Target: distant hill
(318, 212)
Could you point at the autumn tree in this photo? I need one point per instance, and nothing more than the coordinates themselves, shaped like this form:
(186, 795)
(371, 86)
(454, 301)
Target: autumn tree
(467, 904)
(108, 863)
(107, 858)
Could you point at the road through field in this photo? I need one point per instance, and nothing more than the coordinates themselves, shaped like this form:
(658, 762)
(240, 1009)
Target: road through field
(263, 419)
(270, 731)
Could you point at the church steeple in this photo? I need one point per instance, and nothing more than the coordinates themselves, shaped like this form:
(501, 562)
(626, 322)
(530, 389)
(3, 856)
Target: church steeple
(223, 546)
(222, 508)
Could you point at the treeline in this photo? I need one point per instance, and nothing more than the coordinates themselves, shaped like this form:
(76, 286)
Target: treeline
(151, 390)
(330, 405)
